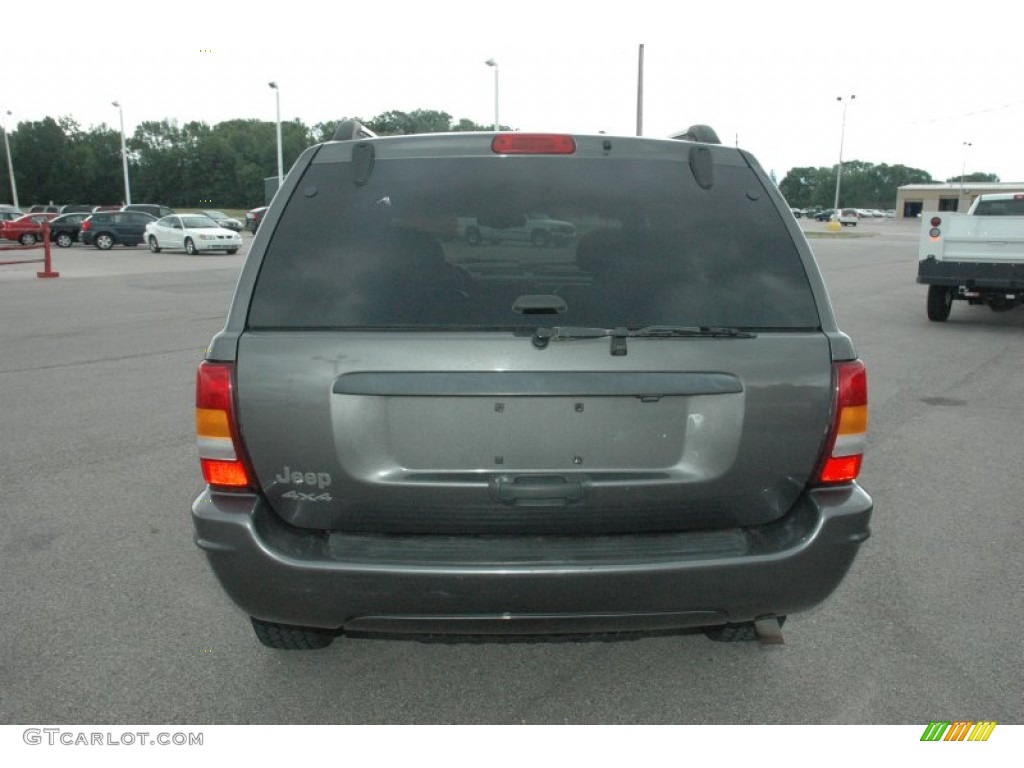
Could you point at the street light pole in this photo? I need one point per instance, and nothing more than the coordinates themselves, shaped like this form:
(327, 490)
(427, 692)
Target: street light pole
(124, 155)
(963, 170)
(640, 92)
(839, 169)
(493, 63)
(10, 164)
(280, 152)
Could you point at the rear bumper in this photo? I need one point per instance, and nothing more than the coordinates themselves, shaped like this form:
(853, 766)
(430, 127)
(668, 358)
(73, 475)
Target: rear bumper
(529, 584)
(1002, 276)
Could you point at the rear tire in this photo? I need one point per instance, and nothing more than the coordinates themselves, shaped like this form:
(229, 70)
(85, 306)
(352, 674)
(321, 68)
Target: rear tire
(744, 632)
(285, 637)
(190, 247)
(232, 251)
(27, 239)
(104, 242)
(940, 301)
(64, 240)
(153, 245)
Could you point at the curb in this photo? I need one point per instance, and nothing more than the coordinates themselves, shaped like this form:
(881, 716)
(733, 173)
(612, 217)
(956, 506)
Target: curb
(21, 261)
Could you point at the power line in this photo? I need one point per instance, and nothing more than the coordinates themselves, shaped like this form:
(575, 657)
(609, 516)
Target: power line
(985, 111)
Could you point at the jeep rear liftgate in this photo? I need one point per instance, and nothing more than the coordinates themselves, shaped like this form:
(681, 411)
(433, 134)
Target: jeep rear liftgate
(692, 435)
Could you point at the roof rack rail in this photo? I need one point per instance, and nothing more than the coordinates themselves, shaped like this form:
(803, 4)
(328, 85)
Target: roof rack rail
(704, 134)
(350, 130)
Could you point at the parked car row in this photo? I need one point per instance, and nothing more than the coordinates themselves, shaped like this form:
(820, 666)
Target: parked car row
(193, 233)
(74, 208)
(860, 213)
(846, 216)
(124, 225)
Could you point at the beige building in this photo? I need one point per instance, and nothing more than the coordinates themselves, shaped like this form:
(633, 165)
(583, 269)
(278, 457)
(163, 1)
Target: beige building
(915, 199)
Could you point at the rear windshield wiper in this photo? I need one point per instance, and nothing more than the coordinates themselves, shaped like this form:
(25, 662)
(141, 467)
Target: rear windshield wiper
(542, 336)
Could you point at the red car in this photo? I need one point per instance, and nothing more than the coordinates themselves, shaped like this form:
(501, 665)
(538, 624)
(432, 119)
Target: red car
(27, 230)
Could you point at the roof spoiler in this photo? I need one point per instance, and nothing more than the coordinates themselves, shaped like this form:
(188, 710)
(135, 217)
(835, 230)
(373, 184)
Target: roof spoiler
(703, 134)
(352, 130)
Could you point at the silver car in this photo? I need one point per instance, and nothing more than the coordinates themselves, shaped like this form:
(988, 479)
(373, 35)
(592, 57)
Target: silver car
(656, 425)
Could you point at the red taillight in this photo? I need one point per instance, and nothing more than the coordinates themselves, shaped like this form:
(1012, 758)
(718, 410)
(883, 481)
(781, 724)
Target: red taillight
(848, 433)
(220, 453)
(936, 221)
(86, 225)
(230, 474)
(533, 144)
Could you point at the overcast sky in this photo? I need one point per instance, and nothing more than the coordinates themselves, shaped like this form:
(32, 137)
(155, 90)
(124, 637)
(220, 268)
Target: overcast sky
(927, 77)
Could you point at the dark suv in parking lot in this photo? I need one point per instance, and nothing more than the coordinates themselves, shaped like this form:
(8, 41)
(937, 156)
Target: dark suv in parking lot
(653, 425)
(105, 229)
(253, 218)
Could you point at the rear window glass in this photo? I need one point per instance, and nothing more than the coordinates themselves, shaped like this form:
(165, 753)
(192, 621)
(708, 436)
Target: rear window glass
(1011, 207)
(504, 243)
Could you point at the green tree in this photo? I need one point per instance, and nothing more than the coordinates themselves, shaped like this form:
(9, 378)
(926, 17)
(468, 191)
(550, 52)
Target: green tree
(863, 185)
(41, 159)
(159, 173)
(805, 186)
(254, 144)
(976, 176)
(323, 132)
(396, 123)
(96, 155)
(420, 121)
(465, 125)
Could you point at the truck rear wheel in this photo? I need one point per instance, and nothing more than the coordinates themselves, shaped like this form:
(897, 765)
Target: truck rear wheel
(744, 632)
(940, 301)
(284, 637)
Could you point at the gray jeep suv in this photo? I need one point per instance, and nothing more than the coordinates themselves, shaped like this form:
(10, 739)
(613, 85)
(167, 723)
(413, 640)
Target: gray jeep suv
(652, 426)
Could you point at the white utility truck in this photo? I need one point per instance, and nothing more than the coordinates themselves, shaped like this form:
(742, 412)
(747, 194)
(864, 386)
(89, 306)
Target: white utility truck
(977, 257)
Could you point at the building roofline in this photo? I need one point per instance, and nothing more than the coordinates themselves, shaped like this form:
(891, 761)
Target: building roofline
(975, 186)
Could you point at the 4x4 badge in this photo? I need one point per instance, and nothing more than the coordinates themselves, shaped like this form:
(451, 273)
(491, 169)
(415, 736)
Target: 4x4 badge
(299, 496)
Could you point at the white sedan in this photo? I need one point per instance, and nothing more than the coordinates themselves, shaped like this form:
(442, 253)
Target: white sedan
(193, 232)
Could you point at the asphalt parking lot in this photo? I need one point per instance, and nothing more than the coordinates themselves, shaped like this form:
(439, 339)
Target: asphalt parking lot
(17, 262)
(111, 615)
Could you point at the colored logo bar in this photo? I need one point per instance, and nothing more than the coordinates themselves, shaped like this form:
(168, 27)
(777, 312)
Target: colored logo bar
(958, 730)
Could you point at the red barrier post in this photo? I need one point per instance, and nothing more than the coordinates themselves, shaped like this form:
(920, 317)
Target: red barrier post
(47, 271)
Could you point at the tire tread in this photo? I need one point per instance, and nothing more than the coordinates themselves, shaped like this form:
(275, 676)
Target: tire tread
(285, 637)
